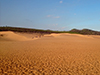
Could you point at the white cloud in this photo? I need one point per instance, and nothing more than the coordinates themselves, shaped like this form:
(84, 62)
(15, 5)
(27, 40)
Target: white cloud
(55, 24)
(63, 27)
(52, 16)
(28, 20)
(48, 15)
(74, 13)
(78, 0)
(57, 17)
(60, 1)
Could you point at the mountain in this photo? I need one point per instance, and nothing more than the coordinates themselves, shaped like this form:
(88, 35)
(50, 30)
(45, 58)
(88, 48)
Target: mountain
(85, 32)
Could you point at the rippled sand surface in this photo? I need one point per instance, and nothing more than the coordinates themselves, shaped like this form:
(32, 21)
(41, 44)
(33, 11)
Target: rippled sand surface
(55, 54)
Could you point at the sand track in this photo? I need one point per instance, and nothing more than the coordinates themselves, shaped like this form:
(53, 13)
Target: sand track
(65, 54)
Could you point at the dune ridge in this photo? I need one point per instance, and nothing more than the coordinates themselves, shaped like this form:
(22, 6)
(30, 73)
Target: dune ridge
(12, 36)
(68, 34)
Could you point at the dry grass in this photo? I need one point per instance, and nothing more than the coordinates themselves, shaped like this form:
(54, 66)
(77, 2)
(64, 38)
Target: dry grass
(64, 54)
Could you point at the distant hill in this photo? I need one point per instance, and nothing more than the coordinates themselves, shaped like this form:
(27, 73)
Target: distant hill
(28, 30)
(85, 32)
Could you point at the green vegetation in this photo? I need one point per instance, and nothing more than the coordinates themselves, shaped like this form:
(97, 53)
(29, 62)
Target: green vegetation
(85, 32)
(28, 30)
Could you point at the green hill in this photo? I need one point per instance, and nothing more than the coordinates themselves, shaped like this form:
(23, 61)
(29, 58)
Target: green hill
(28, 30)
(85, 32)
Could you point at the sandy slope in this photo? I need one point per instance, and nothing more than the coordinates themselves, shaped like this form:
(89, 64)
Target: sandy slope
(15, 36)
(54, 54)
(11, 36)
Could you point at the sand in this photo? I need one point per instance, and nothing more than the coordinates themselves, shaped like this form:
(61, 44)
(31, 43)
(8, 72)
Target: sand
(53, 54)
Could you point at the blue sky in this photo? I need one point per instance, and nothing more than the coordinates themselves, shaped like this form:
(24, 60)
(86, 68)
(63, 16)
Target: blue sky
(51, 14)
